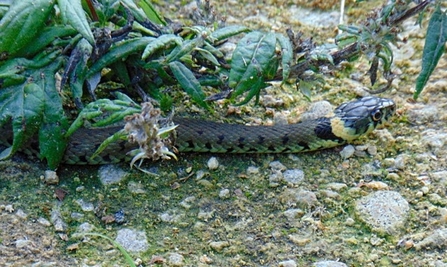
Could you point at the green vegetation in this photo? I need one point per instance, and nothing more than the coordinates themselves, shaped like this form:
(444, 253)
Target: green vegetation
(53, 52)
(123, 251)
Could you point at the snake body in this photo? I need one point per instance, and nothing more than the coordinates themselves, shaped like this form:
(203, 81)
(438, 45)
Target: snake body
(350, 121)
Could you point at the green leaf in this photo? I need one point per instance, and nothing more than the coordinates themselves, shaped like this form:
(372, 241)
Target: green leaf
(250, 61)
(119, 52)
(52, 142)
(286, 55)
(151, 13)
(254, 91)
(73, 14)
(208, 56)
(161, 43)
(108, 111)
(137, 12)
(22, 23)
(24, 105)
(47, 35)
(433, 49)
(186, 48)
(188, 82)
(76, 67)
(227, 32)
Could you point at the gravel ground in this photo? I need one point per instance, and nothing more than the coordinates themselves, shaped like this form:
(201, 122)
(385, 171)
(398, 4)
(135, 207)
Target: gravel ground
(380, 202)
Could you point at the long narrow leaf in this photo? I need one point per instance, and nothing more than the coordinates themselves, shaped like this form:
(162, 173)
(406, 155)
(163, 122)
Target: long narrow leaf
(433, 48)
(188, 82)
(161, 42)
(286, 55)
(119, 52)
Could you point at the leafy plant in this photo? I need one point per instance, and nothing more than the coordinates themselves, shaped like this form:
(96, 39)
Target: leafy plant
(49, 60)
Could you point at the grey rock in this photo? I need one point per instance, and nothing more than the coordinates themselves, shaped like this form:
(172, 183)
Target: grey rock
(277, 166)
(111, 174)
(438, 239)
(293, 176)
(132, 240)
(347, 152)
(423, 115)
(50, 177)
(384, 211)
(175, 259)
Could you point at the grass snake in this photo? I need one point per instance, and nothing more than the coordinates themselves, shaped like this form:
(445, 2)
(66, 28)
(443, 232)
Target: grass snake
(349, 121)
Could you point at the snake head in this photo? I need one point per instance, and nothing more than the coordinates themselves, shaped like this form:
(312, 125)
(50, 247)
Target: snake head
(361, 116)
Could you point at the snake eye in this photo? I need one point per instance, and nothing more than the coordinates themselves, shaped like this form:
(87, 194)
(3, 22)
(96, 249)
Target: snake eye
(376, 115)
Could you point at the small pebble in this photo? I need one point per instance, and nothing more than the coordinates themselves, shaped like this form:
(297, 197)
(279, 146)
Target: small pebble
(347, 152)
(186, 203)
(136, 188)
(21, 214)
(205, 259)
(20, 243)
(280, 119)
(400, 161)
(293, 176)
(275, 178)
(336, 186)
(376, 185)
(76, 216)
(50, 177)
(205, 215)
(316, 110)
(212, 163)
(219, 245)
(85, 206)
(224, 193)
(175, 259)
(298, 197)
(200, 174)
(293, 214)
(329, 194)
(393, 176)
(44, 222)
(372, 150)
(9, 208)
(277, 166)
(252, 170)
(120, 217)
(80, 188)
(306, 199)
(350, 221)
(111, 174)
(299, 240)
(85, 227)
(132, 240)
(170, 217)
(58, 221)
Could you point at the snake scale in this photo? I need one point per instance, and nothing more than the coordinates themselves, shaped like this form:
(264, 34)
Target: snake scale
(350, 121)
